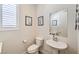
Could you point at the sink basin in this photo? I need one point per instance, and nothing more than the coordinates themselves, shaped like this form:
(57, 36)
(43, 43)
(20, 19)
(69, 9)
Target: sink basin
(56, 44)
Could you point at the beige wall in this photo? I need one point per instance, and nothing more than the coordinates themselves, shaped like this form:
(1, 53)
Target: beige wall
(78, 41)
(45, 10)
(78, 33)
(12, 40)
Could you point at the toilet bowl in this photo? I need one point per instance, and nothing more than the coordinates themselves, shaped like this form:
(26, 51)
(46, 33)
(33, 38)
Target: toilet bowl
(34, 48)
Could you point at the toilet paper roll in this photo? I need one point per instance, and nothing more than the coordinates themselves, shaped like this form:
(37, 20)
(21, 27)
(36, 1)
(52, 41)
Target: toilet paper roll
(24, 41)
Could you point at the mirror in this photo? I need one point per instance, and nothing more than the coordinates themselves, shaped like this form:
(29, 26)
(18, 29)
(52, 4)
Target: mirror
(58, 23)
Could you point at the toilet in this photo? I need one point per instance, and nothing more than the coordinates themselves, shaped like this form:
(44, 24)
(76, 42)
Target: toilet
(35, 48)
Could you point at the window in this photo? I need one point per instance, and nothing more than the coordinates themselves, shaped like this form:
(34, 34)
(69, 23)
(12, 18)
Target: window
(8, 16)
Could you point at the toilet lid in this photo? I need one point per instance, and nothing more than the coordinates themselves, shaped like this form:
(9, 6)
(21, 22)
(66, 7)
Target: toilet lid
(33, 47)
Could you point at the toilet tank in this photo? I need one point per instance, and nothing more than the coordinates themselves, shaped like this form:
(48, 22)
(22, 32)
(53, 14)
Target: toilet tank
(39, 41)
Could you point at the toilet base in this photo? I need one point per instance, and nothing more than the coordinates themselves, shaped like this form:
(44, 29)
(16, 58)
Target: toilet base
(33, 53)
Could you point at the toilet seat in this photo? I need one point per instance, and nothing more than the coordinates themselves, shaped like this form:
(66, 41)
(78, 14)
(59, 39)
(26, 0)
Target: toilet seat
(33, 48)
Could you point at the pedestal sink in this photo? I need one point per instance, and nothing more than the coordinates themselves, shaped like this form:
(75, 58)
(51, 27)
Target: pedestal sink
(56, 45)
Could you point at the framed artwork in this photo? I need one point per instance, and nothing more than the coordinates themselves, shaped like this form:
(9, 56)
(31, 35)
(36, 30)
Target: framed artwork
(28, 21)
(41, 21)
(54, 22)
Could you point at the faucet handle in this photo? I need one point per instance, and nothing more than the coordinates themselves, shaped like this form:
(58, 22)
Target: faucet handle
(55, 39)
(50, 33)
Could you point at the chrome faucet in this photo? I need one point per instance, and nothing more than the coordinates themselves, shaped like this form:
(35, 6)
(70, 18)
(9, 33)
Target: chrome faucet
(54, 36)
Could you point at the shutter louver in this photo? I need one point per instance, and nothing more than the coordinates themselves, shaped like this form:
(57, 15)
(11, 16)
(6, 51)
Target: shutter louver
(8, 15)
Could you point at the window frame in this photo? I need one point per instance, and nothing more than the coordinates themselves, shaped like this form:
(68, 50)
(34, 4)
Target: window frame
(17, 20)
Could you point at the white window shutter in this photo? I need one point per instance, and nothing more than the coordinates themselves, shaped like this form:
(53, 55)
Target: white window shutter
(8, 15)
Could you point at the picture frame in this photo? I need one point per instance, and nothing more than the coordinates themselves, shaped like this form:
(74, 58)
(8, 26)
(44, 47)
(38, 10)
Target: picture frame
(28, 21)
(40, 20)
(54, 22)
